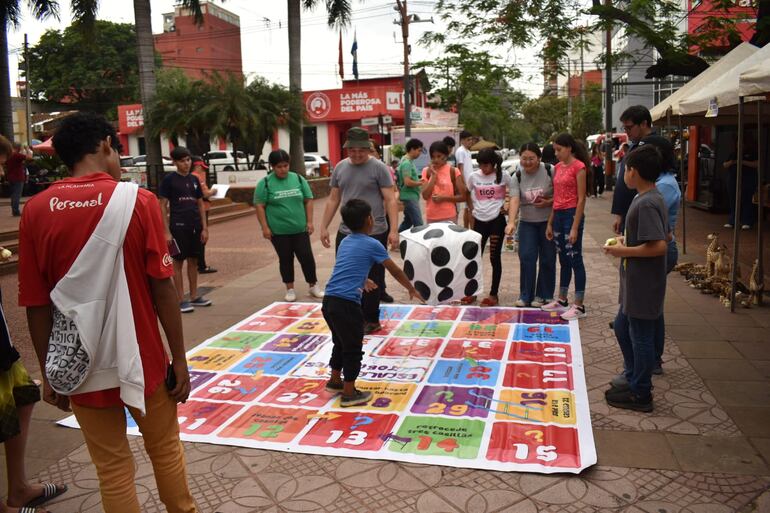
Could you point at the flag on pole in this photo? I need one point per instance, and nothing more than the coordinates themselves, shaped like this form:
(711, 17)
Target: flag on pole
(339, 61)
(354, 53)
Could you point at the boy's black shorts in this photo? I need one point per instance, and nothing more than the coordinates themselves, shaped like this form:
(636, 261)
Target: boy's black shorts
(188, 240)
(346, 322)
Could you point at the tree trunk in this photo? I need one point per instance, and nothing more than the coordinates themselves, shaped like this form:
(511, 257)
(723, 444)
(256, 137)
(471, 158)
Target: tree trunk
(145, 51)
(296, 150)
(6, 110)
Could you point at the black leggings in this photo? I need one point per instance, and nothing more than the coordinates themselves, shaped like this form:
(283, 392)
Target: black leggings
(493, 231)
(598, 185)
(289, 246)
(346, 322)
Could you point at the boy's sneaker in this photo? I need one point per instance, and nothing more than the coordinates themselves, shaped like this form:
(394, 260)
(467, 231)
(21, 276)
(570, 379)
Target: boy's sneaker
(520, 303)
(200, 301)
(539, 302)
(316, 291)
(186, 307)
(555, 306)
(371, 327)
(359, 398)
(290, 296)
(334, 388)
(628, 400)
(619, 382)
(574, 312)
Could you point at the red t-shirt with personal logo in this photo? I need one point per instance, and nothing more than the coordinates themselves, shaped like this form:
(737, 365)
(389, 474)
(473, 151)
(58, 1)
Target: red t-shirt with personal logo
(57, 223)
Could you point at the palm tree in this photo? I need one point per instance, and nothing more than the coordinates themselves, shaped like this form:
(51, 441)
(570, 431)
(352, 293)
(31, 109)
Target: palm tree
(339, 16)
(175, 110)
(10, 16)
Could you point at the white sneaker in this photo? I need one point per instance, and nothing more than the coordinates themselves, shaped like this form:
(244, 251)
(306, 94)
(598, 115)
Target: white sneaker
(538, 302)
(316, 291)
(728, 225)
(555, 306)
(574, 312)
(745, 227)
(521, 304)
(290, 296)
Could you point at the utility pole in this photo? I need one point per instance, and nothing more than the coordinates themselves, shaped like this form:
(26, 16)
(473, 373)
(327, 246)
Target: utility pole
(27, 90)
(608, 97)
(401, 4)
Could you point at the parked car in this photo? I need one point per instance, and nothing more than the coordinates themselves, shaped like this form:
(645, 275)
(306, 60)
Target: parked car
(316, 165)
(221, 160)
(509, 164)
(140, 161)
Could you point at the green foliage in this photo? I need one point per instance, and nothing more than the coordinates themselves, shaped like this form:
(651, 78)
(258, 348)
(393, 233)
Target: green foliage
(548, 115)
(398, 151)
(95, 69)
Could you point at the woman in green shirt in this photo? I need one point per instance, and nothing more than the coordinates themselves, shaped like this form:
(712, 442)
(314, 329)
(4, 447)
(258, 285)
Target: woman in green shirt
(285, 213)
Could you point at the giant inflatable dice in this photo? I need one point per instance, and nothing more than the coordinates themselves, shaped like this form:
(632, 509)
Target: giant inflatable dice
(443, 261)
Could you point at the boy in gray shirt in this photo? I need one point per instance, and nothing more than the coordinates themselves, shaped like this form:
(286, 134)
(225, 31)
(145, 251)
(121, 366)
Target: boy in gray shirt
(642, 255)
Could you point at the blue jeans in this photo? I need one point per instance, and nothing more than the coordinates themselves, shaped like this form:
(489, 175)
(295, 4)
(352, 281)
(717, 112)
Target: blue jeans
(412, 215)
(570, 255)
(636, 338)
(16, 190)
(533, 246)
(672, 256)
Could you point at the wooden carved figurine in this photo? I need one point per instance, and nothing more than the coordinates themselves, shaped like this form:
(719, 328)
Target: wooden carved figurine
(712, 253)
(756, 284)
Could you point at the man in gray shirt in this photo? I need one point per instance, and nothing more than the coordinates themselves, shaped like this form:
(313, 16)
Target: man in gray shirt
(368, 179)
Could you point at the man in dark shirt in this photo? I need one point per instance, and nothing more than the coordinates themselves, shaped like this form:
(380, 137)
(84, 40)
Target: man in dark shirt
(16, 175)
(181, 203)
(637, 122)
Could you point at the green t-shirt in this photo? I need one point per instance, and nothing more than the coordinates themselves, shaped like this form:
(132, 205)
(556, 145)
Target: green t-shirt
(284, 201)
(407, 168)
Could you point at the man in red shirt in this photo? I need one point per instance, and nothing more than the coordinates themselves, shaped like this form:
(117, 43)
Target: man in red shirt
(54, 228)
(16, 175)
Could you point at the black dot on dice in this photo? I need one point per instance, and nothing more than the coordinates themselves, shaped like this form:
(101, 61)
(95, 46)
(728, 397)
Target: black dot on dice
(420, 228)
(409, 270)
(434, 233)
(440, 256)
(457, 228)
(444, 277)
(470, 249)
(423, 289)
(402, 247)
(471, 269)
(445, 294)
(471, 287)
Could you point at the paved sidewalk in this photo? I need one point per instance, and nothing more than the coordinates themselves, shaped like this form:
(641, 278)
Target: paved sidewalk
(705, 448)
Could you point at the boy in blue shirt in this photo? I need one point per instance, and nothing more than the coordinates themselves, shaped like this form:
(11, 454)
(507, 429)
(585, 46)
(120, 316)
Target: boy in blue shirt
(342, 300)
(642, 255)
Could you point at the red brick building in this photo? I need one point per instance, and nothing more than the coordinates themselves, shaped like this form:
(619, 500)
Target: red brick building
(214, 45)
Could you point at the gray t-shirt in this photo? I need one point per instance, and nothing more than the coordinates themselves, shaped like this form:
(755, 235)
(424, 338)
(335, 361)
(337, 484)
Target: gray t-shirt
(642, 279)
(364, 182)
(531, 187)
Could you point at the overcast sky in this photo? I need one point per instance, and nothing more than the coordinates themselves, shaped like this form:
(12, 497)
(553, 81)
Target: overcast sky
(264, 40)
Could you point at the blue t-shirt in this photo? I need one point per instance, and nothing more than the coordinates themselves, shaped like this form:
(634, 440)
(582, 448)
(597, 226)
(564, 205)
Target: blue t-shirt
(355, 257)
(669, 189)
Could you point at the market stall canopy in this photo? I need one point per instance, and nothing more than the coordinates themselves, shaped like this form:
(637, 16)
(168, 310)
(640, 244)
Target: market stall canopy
(755, 80)
(45, 147)
(715, 71)
(714, 99)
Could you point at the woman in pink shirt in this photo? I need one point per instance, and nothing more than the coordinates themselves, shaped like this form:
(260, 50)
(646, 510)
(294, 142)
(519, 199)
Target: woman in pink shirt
(443, 186)
(565, 225)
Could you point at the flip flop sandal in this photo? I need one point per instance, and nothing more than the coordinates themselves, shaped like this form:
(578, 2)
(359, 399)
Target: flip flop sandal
(468, 300)
(489, 301)
(50, 491)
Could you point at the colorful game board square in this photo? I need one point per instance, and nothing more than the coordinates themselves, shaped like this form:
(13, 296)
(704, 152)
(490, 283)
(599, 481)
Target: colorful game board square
(537, 376)
(537, 316)
(542, 333)
(552, 446)
(276, 364)
(540, 352)
(266, 324)
(285, 343)
(198, 378)
(214, 359)
(204, 417)
(464, 372)
(235, 387)
(435, 313)
(427, 347)
(491, 315)
(453, 401)
(438, 436)
(385, 396)
(316, 366)
(394, 312)
(309, 326)
(406, 370)
(475, 349)
(350, 430)
(386, 328)
(424, 329)
(542, 406)
(268, 424)
(294, 310)
(299, 392)
(482, 331)
(241, 341)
